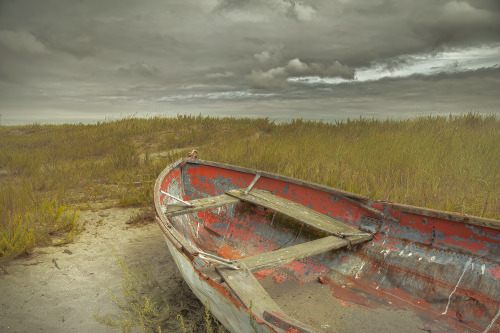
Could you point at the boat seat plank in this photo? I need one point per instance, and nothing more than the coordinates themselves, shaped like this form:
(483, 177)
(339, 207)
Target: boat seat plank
(249, 290)
(255, 297)
(200, 204)
(282, 256)
(300, 213)
(285, 255)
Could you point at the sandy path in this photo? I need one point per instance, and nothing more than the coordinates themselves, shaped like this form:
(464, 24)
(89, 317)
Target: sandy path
(59, 289)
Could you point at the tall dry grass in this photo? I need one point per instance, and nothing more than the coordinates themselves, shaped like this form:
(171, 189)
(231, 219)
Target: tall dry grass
(447, 163)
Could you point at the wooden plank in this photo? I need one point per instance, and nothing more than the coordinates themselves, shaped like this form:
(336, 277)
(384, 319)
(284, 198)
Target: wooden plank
(372, 210)
(287, 254)
(200, 204)
(255, 297)
(282, 256)
(249, 291)
(301, 213)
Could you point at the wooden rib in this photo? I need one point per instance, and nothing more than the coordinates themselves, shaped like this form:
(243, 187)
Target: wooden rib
(301, 213)
(287, 254)
(201, 204)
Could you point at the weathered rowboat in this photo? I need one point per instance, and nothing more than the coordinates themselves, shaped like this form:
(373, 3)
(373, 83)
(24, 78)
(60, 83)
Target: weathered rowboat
(270, 253)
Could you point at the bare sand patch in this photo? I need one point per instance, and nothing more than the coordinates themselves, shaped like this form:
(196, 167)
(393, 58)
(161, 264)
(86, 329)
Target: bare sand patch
(59, 289)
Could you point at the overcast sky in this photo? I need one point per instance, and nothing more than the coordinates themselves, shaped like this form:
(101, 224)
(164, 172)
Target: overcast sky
(91, 60)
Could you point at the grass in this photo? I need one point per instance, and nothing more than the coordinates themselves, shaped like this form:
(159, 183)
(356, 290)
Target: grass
(446, 163)
(46, 223)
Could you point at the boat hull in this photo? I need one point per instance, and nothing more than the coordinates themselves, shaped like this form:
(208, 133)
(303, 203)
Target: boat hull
(223, 306)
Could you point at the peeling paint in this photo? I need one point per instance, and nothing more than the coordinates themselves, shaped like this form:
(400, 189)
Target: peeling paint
(495, 272)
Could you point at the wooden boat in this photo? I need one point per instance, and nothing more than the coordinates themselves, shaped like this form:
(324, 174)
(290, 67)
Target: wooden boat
(269, 253)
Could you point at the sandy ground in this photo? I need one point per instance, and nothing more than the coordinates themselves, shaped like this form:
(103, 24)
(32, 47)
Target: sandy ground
(59, 289)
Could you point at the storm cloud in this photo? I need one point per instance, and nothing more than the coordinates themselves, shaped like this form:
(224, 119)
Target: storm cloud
(72, 60)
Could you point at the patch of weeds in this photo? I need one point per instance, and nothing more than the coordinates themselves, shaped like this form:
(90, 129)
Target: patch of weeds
(46, 222)
(149, 305)
(16, 239)
(144, 217)
(61, 220)
(205, 324)
(133, 194)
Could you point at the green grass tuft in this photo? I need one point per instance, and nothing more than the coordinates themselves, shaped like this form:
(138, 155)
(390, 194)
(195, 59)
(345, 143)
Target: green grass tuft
(44, 223)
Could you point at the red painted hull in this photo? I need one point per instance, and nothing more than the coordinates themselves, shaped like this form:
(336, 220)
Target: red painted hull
(424, 269)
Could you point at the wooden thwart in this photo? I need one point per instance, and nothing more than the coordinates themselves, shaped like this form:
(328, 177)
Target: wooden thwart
(287, 254)
(255, 297)
(301, 213)
(283, 256)
(249, 290)
(201, 204)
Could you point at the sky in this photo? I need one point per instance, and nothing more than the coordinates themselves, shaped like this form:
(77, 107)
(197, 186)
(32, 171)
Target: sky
(71, 61)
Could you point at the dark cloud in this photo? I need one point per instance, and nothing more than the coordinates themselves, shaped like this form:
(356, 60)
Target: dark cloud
(455, 22)
(76, 42)
(54, 51)
(140, 69)
(21, 42)
(254, 40)
(260, 10)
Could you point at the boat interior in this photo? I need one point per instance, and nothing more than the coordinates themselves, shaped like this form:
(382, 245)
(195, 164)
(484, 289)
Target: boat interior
(314, 260)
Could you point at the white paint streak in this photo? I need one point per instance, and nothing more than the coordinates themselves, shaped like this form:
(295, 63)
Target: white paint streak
(456, 286)
(198, 230)
(225, 234)
(492, 322)
(359, 270)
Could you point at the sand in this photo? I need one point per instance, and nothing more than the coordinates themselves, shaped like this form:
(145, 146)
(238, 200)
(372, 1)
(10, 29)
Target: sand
(59, 289)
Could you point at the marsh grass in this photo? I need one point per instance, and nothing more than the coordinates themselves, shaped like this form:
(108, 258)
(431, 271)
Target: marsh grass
(446, 163)
(441, 162)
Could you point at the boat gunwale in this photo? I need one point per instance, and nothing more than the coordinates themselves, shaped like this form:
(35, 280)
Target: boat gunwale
(428, 212)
